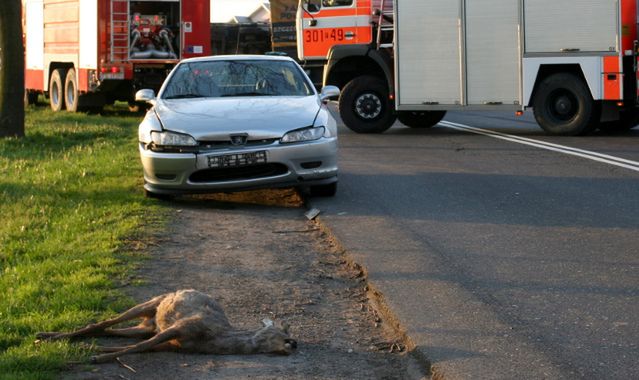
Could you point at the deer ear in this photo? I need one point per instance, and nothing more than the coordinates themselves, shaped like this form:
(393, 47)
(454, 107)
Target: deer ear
(267, 322)
(285, 327)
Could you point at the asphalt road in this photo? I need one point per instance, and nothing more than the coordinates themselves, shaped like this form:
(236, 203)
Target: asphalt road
(501, 260)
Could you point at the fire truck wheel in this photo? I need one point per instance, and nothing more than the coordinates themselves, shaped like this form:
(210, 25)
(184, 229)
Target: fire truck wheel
(71, 91)
(563, 106)
(420, 119)
(627, 120)
(30, 97)
(139, 107)
(56, 90)
(365, 106)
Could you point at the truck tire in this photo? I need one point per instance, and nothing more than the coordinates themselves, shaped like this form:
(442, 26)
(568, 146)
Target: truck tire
(563, 106)
(628, 119)
(71, 97)
(56, 90)
(420, 119)
(30, 97)
(364, 105)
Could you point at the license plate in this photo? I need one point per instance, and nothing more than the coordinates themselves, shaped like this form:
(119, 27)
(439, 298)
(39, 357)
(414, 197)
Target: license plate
(237, 160)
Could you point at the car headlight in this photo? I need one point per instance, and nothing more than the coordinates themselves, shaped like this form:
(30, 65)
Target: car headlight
(166, 138)
(306, 134)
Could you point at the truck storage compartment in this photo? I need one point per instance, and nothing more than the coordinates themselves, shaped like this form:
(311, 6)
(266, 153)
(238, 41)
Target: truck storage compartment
(458, 53)
(145, 30)
(570, 26)
(428, 42)
(492, 52)
(155, 29)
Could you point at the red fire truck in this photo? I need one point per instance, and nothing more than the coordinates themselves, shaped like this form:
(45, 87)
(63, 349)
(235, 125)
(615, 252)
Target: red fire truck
(84, 54)
(574, 62)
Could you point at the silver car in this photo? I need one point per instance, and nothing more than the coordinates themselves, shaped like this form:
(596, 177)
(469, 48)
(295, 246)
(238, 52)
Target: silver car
(229, 123)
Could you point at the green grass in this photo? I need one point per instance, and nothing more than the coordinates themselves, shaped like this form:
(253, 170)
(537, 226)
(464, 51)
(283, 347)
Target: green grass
(70, 199)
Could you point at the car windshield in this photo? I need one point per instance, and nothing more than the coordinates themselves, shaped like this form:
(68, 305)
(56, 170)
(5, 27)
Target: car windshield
(213, 79)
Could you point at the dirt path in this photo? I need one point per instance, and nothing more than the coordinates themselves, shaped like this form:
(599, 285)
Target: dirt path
(264, 260)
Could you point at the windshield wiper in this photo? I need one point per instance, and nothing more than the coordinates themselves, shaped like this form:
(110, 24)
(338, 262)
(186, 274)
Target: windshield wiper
(184, 96)
(247, 94)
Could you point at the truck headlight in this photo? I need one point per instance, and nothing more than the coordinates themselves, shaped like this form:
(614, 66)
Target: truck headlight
(167, 138)
(305, 134)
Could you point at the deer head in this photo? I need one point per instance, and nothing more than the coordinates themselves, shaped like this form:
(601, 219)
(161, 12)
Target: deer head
(274, 339)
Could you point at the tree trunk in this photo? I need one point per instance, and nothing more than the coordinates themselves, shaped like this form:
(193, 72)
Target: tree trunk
(11, 69)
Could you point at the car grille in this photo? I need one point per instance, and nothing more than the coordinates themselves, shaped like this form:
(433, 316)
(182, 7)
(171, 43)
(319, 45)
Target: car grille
(241, 173)
(212, 145)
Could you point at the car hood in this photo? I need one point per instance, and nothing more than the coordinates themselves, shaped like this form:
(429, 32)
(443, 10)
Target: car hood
(217, 118)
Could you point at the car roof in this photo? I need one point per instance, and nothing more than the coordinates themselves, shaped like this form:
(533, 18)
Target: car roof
(246, 57)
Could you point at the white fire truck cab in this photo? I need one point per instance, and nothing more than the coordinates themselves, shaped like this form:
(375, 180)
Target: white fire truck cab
(574, 62)
(87, 53)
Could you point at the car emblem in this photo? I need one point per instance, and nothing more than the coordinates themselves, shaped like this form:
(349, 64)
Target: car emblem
(237, 140)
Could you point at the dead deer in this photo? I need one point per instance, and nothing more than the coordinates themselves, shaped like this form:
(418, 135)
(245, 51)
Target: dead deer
(188, 321)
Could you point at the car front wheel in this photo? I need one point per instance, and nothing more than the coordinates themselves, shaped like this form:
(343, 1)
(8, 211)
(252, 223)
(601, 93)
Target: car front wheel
(162, 197)
(324, 190)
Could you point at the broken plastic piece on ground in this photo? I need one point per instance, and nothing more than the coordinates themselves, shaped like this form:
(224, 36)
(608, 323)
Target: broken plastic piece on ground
(312, 213)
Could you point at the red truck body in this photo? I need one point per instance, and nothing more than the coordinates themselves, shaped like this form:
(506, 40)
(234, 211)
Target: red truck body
(417, 59)
(87, 53)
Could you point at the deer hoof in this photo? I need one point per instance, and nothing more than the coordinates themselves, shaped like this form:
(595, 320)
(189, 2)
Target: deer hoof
(46, 336)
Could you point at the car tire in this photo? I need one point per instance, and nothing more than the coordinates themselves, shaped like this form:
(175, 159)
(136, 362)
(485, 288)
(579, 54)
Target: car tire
(420, 119)
(564, 106)
(56, 90)
(71, 91)
(323, 190)
(162, 197)
(365, 106)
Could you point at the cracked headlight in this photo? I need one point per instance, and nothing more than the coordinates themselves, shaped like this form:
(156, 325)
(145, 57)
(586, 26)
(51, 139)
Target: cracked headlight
(306, 134)
(167, 138)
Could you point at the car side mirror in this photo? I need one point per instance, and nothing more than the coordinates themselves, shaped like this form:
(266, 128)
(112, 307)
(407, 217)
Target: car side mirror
(329, 92)
(145, 95)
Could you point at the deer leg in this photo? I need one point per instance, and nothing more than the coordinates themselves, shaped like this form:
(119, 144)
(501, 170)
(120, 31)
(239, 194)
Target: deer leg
(166, 346)
(142, 331)
(146, 345)
(146, 309)
(105, 349)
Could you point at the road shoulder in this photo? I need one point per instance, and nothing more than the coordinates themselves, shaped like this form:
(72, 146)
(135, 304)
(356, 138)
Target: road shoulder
(264, 261)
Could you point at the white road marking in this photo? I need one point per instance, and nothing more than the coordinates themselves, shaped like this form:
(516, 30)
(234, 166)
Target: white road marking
(599, 157)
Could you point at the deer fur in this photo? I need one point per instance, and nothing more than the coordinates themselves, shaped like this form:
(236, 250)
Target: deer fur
(186, 320)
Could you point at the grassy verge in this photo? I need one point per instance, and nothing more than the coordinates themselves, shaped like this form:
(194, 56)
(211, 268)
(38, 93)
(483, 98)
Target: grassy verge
(70, 197)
